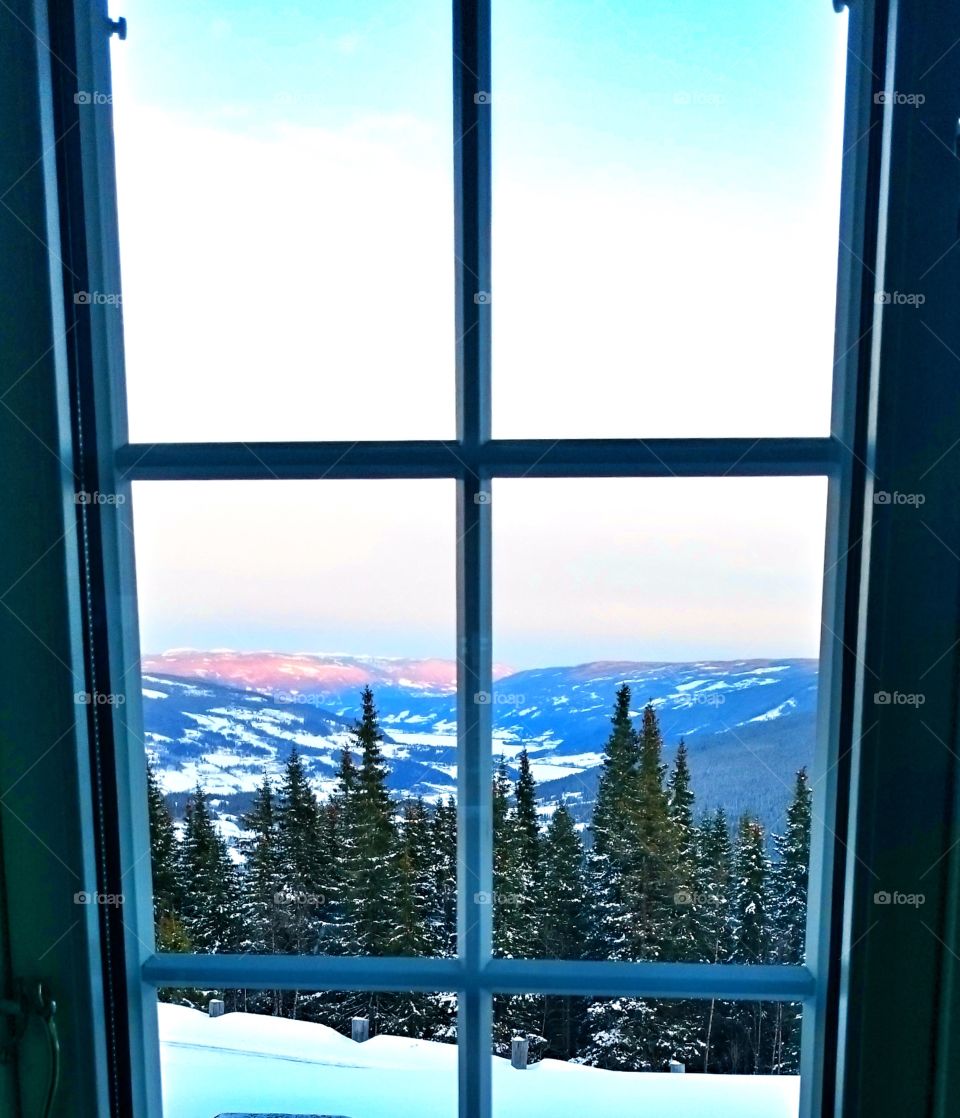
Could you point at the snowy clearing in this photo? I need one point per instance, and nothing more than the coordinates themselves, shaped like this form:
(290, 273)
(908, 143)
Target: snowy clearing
(244, 1062)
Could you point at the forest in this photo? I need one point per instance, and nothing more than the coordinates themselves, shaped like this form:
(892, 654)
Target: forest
(652, 877)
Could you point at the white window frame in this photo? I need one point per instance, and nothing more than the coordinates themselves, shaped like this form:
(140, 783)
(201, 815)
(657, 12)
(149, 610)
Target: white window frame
(474, 460)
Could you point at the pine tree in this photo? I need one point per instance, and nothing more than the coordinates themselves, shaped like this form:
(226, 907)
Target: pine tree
(263, 890)
(444, 844)
(713, 908)
(751, 940)
(416, 931)
(210, 911)
(303, 861)
(370, 856)
(611, 854)
(164, 857)
(565, 927)
(790, 882)
(684, 931)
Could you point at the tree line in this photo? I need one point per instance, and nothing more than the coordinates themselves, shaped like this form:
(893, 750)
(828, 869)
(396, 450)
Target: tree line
(362, 873)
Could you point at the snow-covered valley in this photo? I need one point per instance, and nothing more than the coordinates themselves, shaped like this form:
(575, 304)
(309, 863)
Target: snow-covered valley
(224, 719)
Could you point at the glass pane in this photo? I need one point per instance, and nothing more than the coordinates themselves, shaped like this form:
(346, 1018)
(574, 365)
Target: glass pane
(286, 219)
(666, 201)
(298, 688)
(655, 737)
(603, 1056)
(260, 1055)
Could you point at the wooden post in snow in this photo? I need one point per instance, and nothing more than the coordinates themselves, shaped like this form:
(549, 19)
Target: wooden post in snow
(360, 1029)
(518, 1052)
(675, 1065)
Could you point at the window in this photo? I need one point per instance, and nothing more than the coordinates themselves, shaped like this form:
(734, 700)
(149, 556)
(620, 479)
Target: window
(193, 455)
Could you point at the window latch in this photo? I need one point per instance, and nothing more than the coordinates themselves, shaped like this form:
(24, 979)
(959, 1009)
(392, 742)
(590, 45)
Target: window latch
(117, 27)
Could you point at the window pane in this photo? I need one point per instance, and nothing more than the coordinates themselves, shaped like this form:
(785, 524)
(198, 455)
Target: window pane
(654, 740)
(261, 1056)
(286, 219)
(294, 811)
(666, 201)
(750, 1050)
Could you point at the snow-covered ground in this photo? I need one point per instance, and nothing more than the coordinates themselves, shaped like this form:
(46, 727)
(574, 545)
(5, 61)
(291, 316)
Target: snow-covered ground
(243, 1062)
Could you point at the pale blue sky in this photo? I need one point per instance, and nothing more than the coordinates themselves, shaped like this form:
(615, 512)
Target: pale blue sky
(665, 208)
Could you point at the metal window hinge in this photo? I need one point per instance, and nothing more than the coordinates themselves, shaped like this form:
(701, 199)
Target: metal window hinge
(839, 5)
(117, 27)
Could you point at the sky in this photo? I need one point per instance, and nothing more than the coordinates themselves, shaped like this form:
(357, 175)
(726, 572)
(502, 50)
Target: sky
(664, 242)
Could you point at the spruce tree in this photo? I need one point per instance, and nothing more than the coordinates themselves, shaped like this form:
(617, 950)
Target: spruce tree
(164, 858)
(211, 912)
(713, 907)
(565, 927)
(444, 844)
(790, 882)
(611, 827)
(751, 941)
(263, 890)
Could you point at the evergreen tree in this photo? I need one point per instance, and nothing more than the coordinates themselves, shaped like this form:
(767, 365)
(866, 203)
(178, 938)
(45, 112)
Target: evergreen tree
(303, 861)
(210, 912)
(713, 908)
(612, 851)
(751, 942)
(263, 890)
(164, 858)
(565, 927)
(370, 856)
(444, 844)
(789, 918)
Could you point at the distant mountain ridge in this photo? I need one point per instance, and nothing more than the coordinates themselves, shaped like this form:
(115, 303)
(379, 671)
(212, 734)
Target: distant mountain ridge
(224, 718)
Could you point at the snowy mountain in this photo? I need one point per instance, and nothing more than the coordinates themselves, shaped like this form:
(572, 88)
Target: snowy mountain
(224, 718)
